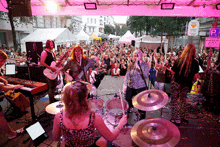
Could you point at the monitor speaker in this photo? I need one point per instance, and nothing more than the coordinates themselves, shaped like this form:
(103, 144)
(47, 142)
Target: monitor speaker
(133, 42)
(20, 8)
(34, 50)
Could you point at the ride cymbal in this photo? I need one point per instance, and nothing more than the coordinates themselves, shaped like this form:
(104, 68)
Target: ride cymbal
(55, 107)
(149, 100)
(155, 132)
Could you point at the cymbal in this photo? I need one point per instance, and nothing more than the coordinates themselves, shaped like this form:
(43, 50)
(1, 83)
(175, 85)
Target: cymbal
(149, 100)
(155, 132)
(55, 107)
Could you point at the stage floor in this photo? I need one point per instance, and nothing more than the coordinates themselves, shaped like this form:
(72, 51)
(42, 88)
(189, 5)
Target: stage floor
(203, 130)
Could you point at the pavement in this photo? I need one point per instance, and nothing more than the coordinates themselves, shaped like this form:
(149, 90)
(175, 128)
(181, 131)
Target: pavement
(203, 129)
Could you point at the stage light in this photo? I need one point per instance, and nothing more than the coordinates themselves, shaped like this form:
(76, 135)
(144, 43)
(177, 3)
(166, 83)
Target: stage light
(218, 6)
(51, 6)
(90, 6)
(167, 6)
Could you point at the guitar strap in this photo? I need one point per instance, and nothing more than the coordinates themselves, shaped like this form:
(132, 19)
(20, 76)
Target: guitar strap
(82, 66)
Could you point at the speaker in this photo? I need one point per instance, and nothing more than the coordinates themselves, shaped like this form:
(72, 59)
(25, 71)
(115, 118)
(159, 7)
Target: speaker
(34, 50)
(133, 42)
(20, 7)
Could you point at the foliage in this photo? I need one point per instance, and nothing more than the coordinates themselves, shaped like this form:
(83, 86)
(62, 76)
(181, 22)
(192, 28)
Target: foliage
(121, 30)
(171, 26)
(109, 29)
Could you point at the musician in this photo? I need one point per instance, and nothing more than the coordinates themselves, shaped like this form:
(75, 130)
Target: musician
(135, 78)
(47, 57)
(184, 70)
(5, 87)
(77, 123)
(76, 65)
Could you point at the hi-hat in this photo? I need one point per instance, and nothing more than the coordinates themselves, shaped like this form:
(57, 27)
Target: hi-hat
(55, 107)
(155, 132)
(149, 100)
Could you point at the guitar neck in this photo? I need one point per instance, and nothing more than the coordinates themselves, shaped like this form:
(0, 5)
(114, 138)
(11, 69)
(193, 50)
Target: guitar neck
(60, 59)
(85, 69)
(89, 64)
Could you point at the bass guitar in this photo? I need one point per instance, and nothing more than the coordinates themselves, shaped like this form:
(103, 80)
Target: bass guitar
(89, 64)
(49, 73)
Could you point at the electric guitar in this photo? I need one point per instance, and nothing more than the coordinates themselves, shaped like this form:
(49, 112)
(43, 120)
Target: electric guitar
(90, 63)
(49, 73)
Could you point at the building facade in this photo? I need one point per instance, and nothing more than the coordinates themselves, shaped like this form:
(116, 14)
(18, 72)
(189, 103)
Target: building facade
(95, 24)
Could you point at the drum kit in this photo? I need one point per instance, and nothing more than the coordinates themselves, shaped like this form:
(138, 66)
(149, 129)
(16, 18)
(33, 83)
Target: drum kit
(156, 132)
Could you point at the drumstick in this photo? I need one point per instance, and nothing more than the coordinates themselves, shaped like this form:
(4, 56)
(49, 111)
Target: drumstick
(122, 104)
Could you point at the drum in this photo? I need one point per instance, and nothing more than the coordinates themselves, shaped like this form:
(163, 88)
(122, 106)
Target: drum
(114, 110)
(97, 105)
(124, 138)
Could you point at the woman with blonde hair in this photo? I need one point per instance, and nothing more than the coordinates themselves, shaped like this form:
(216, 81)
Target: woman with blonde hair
(135, 78)
(77, 123)
(184, 70)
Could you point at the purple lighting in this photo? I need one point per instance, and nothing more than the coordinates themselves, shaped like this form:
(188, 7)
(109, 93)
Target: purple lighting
(167, 6)
(90, 6)
(218, 6)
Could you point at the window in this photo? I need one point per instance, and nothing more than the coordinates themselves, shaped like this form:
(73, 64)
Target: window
(95, 21)
(91, 20)
(87, 20)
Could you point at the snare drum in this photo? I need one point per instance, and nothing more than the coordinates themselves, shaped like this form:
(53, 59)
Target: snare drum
(114, 110)
(124, 138)
(97, 105)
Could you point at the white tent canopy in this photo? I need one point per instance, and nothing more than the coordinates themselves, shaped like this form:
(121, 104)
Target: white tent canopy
(113, 36)
(58, 35)
(82, 36)
(152, 41)
(126, 38)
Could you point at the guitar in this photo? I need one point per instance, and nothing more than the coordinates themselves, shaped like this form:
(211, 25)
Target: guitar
(49, 73)
(90, 63)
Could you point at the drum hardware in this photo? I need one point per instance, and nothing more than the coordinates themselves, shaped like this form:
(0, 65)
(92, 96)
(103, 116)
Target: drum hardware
(96, 105)
(155, 132)
(149, 100)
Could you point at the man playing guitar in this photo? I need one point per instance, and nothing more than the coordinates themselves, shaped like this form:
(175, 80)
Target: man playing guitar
(47, 57)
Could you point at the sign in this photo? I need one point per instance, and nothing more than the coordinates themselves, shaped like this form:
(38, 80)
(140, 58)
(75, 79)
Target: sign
(214, 32)
(212, 42)
(193, 28)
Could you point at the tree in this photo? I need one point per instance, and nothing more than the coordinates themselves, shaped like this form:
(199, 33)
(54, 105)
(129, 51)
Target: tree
(171, 26)
(109, 29)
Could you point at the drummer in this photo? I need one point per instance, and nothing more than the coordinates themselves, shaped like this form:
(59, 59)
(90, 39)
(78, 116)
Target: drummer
(77, 123)
(135, 78)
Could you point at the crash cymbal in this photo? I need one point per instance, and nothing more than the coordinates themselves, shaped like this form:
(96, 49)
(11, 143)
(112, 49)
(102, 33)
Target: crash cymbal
(155, 132)
(149, 100)
(55, 107)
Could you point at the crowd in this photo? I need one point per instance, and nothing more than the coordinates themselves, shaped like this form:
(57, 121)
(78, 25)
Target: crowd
(114, 60)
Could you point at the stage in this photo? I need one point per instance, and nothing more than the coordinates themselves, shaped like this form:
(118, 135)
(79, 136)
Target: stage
(203, 130)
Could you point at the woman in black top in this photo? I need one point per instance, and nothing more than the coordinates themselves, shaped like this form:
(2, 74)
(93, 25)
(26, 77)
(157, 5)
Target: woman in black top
(185, 68)
(47, 57)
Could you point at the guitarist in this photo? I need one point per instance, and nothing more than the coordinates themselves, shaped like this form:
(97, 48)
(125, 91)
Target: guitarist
(48, 56)
(76, 65)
